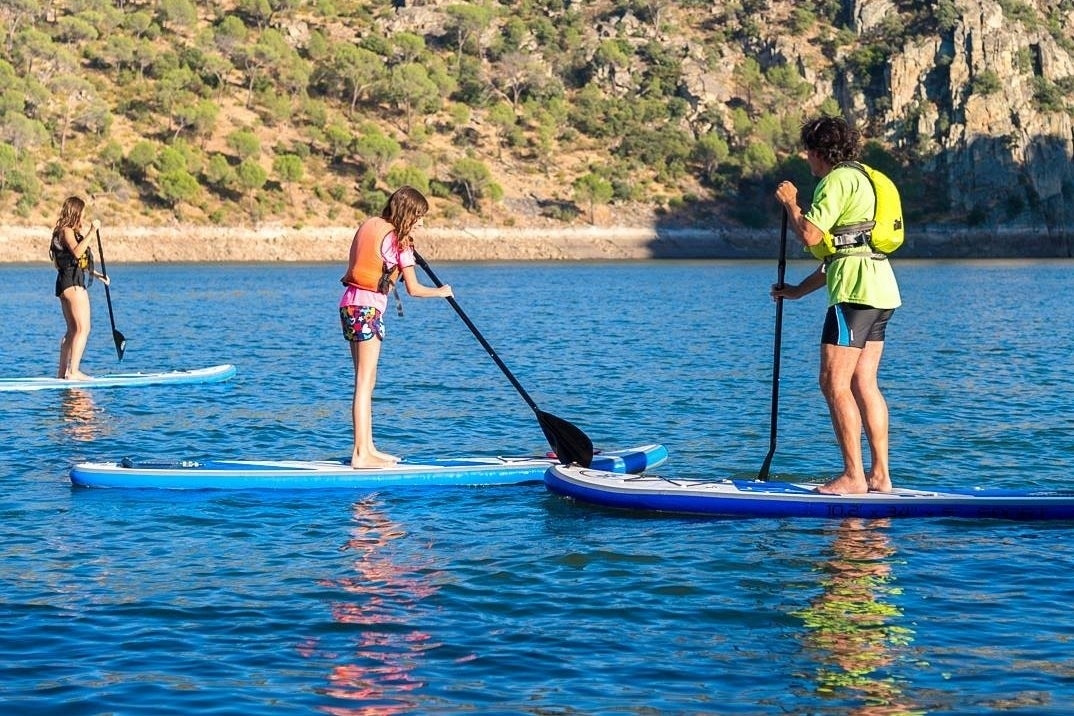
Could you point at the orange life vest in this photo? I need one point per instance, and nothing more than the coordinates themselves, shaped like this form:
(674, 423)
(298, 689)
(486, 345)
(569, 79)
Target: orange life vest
(366, 268)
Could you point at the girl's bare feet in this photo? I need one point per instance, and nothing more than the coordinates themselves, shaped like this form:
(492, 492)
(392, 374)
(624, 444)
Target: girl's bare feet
(384, 456)
(365, 462)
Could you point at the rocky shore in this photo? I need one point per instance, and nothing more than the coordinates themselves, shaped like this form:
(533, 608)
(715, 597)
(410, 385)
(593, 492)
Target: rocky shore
(196, 244)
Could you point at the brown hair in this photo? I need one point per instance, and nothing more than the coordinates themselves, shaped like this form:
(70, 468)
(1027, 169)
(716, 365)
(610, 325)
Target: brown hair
(404, 208)
(70, 214)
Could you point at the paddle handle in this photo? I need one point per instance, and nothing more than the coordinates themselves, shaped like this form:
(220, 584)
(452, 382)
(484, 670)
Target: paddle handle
(117, 337)
(776, 350)
(480, 338)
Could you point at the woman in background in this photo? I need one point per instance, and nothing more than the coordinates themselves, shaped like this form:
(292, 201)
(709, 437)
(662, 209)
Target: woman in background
(71, 254)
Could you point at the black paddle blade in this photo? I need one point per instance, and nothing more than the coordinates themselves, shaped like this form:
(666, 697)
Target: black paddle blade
(570, 444)
(121, 343)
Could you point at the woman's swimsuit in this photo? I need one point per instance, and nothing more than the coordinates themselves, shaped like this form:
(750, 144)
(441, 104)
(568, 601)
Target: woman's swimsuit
(70, 270)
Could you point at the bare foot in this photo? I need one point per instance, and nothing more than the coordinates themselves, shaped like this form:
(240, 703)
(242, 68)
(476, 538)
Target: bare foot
(368, 461)
(384, 456)
(844, 485)
(879, 484)
(77, 375)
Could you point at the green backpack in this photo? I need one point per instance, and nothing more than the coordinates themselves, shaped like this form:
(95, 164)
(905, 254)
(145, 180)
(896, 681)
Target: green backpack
(887, 234)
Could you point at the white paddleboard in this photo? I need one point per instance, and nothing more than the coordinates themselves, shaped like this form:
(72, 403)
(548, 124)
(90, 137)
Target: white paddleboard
(212, 374)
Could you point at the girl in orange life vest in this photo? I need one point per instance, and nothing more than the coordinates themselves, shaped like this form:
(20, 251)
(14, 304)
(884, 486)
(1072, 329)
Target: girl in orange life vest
(381, 252)
(70, 252)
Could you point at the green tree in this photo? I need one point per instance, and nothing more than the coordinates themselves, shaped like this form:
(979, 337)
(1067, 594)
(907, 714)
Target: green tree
(411, 90)
(592, 189)
(467, 22)
(758, 159)
(219, 172)
(408, 175)
(251, 178)
(377, 149)
(710, 151)
(139, 158)
(986, 82)
(8, 161)
(244, 143)
(70, 96)
(502, 116)
(22, 132)
(750, 80)
(289, 169)
(473, 181)
(355, 71)
(177, 186)
(177, 14)
(111, 155)
(169, 159)
(339, 139)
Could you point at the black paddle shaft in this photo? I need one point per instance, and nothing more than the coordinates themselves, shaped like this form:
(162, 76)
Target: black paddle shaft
(570, 444)
(117, 337)
(781, 274)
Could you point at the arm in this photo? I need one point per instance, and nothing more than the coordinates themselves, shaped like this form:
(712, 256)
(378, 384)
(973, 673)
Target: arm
(415, 288)
(808, 285)
(79, 248)
(787, 195)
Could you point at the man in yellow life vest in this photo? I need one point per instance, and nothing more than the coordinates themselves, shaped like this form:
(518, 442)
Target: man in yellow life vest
(862, 296)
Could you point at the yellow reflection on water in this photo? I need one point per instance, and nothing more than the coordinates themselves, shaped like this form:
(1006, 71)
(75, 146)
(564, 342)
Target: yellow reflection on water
(378, 679)
(851, 625)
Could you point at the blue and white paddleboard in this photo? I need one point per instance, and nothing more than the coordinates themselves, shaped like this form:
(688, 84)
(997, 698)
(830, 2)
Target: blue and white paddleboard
(753, 498)
(294, 474)
(212, 374)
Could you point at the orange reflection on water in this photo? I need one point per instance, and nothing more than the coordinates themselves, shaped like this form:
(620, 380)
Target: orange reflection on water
(81, 417)
(386, 649)
(850, 624)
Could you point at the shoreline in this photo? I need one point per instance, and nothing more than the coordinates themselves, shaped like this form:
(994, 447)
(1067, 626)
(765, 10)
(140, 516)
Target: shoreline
(275, 243)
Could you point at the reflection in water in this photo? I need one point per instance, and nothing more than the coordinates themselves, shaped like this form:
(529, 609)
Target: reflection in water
(851, 627)
(379, 678)
(81, 417)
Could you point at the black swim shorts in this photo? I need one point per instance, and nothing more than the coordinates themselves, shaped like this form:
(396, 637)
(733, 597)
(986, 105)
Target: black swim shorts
(853, 324)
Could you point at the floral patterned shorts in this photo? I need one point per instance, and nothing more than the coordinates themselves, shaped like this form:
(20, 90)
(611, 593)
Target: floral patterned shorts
(361, 323)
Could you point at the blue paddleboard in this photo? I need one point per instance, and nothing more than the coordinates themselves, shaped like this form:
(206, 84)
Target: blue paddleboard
(212, 374)
(754, 498)
(295, 474)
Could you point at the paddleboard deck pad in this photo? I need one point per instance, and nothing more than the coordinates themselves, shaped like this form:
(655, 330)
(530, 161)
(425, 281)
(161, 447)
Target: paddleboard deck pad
(294, 474)
(754, 498)
(212, 374)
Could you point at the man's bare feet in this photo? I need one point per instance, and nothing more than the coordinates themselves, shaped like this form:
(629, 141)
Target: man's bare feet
(844, 485)
(77, 375)
(384, 456)
(879, 484)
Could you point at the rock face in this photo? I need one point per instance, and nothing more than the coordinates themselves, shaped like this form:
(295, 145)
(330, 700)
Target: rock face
(975, 99)
(979, 92)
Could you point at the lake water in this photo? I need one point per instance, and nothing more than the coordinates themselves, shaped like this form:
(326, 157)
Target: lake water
(511, 600)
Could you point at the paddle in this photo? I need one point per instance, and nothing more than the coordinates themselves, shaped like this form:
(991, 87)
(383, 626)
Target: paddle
(763, 474)
(569, 443)
(120, 341)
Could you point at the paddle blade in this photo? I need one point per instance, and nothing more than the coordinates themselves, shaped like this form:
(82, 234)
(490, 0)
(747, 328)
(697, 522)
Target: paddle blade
(570, 444)
(121, 343)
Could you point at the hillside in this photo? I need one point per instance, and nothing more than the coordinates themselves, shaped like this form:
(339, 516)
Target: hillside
(532, 113)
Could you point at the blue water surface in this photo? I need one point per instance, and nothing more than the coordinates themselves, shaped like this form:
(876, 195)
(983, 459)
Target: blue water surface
(509, 599)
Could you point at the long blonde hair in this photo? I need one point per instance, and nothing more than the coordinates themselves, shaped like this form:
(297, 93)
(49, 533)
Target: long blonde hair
(404, 208)
(70, 214)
